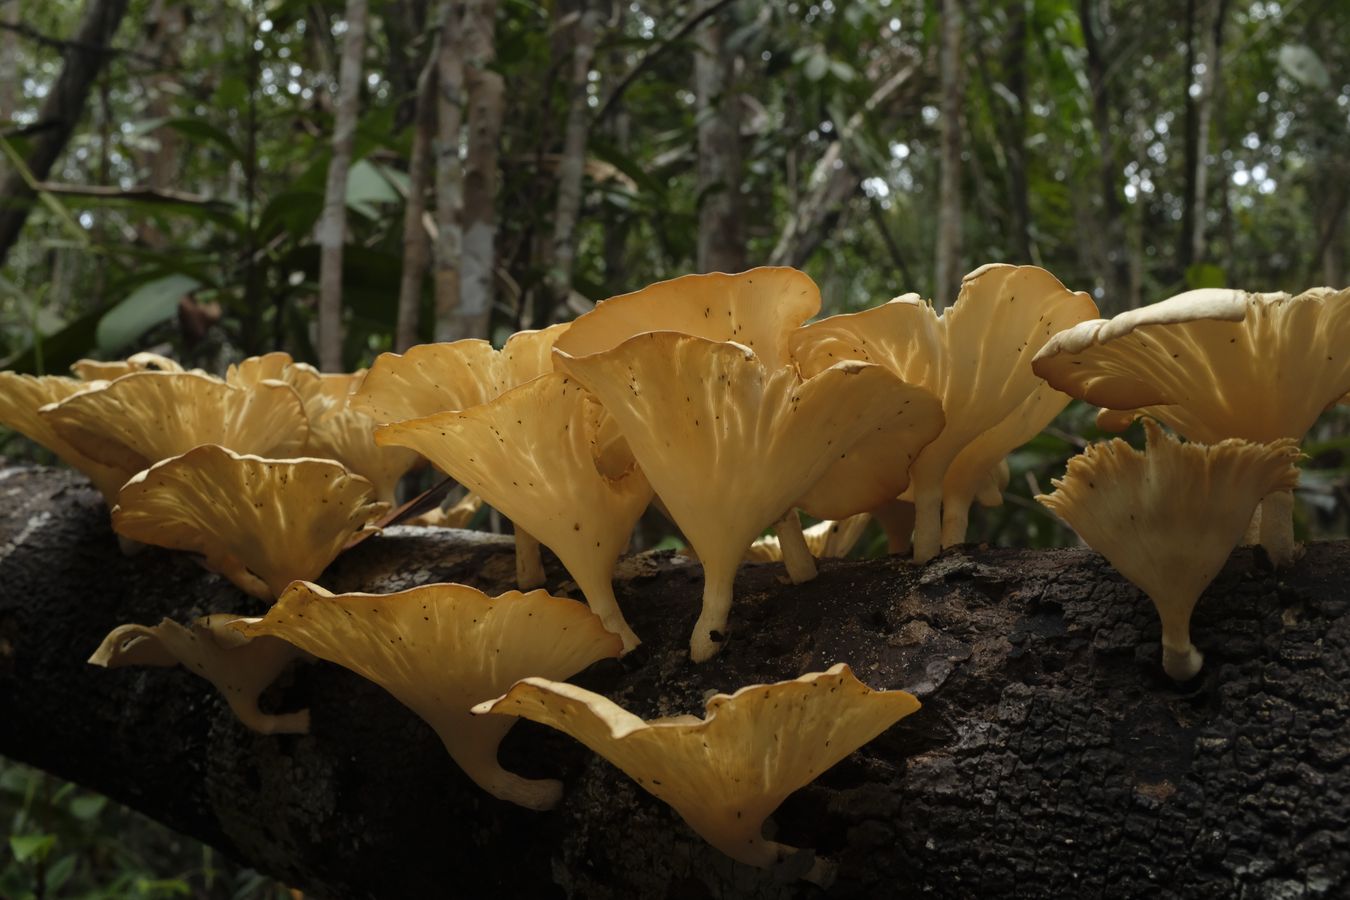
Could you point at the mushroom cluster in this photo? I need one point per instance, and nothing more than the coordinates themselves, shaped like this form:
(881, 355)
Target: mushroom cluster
(712, 400)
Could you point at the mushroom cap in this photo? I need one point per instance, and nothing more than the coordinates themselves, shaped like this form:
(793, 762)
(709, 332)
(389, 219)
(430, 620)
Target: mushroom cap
(759, 309)
(726, 773)
(1167, 519)
(440, 649)
(144, 417)
(728, 443)
(432, 378)
(976, 357)
(21, 396)
(348, 436)
(532, 454)
(262, 523)
(241, 668)
(1211, 364)
(107, 370)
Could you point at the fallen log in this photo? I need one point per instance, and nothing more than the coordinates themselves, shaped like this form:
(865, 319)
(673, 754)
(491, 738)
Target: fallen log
(1052, 757)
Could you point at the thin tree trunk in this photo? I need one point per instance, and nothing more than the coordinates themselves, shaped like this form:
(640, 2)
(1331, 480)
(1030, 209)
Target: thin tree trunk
(948, 255)
(449, 168)
(9, 72)
(85, 56)
(486, 95)
(721, 231)
(572, 166)
(618, 127)
(1015, 77)
(416, 243)
(1204, 103)
(333, 223)
(1113, 263)
(167, 24)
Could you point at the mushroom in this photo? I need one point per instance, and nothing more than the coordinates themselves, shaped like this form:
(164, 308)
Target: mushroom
(21, 396)
(1215, 364)
(758, 308)
(975, 356)
(262, 523)
(456, 516)
(726, 773)
(729, 443)
(440, 649)
(241, 668)
(1167, 519)
(532, 454)
(434, 378)
(144, 417)
(824, 540)
(100, 370)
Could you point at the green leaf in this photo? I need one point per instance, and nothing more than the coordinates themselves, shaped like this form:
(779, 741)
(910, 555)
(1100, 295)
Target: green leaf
(33, 847)
(88, 806)
(366, 184)
(1303, 65)
(147, 306)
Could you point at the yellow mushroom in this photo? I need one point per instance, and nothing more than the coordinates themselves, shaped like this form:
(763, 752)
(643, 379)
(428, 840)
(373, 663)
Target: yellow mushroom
(726, 773)
(1215, 364)
(241, 668)
(532, 454)
(262, 523)
(440, 649)
(101, 370)
(976, 357)
(730, 444)
(1167, 519)
(21, 396)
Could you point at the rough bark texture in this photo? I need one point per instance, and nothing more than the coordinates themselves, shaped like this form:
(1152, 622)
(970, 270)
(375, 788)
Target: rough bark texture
(89, 49)
(1051, 759)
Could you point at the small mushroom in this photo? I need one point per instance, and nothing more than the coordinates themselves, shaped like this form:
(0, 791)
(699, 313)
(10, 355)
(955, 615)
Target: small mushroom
(440, 649)
(1167, 519)
(262, 523)
(730, 444)
(148, 416)
(724, 774)
(241, 668)
(824, 540)
(100, 370)
(531, 453)
(1215, 364)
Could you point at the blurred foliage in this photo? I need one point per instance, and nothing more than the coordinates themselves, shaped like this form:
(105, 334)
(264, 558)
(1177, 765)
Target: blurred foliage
(64, 841)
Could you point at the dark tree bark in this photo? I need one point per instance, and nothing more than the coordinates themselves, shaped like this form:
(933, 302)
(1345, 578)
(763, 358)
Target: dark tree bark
(1052, 758)
(85, 56)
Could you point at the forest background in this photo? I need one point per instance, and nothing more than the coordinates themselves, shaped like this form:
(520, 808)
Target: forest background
(337, 178)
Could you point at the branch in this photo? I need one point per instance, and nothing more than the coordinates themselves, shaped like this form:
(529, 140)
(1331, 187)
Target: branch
(1051, 758)
(141, 194)
(645, 61)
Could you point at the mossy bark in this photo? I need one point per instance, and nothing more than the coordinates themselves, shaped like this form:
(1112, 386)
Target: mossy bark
(1052, 757)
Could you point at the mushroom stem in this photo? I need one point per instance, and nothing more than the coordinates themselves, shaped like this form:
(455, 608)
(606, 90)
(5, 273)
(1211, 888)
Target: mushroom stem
(719, 580)
(897, 520)
(927, 519)
(246, 708)
(955, 519)
(1252, 536)
(1182, 663)
(483, 768)
(797, 558)
(599, 591)
(1180, 658)
(1277, 528)
(529, 562)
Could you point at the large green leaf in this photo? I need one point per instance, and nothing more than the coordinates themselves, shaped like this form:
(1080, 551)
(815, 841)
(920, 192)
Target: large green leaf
(149, 305)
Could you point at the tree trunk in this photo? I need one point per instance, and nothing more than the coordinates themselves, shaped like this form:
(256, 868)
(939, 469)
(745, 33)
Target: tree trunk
(449, 169)
(1214, 21)
(1052, 757)
(721, 229)
(1015, 77)
(333, 222)
(88, 51)
(486, 101)
(948, 253)
(1112, 259)
(572, 167)
(416, 243)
